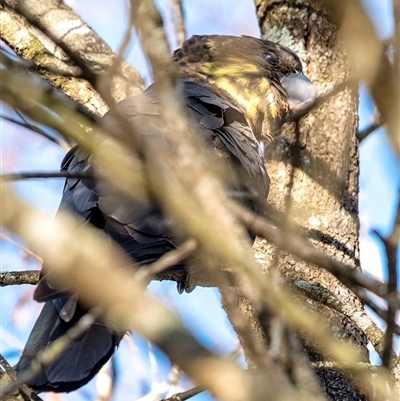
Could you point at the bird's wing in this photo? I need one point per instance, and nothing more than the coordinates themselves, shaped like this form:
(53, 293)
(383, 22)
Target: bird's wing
(220, 119)
(140, 228)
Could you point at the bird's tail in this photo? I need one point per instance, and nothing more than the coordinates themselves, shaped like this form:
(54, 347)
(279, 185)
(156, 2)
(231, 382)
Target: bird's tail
(80, 362)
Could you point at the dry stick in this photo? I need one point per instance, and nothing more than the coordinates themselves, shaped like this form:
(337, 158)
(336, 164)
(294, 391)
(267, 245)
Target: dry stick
(303, 249)
(322, 295)
(339, 366)
(19, 245)
(115, 68)
(40, 175)
(376, 123)
(288, 196)
(179, 21)
(277, 217)
(145, 273)
(318, 101)
(169, 259)
(185, 395)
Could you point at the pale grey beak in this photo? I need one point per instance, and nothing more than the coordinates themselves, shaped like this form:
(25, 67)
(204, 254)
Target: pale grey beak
(300, 91)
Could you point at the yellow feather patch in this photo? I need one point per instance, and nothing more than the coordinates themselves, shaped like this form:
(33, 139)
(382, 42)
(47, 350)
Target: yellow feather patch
(231, 68)
(257, 100)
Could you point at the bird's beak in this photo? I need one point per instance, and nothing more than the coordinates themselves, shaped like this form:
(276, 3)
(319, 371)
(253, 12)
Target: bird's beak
(300, 91)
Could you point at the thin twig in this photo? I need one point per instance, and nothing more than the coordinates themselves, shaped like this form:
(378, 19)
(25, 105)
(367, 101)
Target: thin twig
(376, 123)
(337, 366)
(44, 174)
(178, 20)
(147, 272)
(288, 196)
(318, 101)
(19, 245)
(37, 130)
(185, 395)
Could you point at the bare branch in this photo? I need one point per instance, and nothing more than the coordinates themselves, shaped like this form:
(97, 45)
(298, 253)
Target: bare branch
(19, 277)
(303, 249)
(19, 245)
(185, 395)
(37, 130)
(40, 175)
(376, 71)
(120, 299)
(178, 20)
(172, 258)
(71, 45)
(376, 123)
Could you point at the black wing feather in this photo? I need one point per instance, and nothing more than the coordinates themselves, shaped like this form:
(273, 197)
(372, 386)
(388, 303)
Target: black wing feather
(141, 229)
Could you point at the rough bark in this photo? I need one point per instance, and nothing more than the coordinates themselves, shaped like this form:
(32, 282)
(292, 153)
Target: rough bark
(324, 195)
(28, 28)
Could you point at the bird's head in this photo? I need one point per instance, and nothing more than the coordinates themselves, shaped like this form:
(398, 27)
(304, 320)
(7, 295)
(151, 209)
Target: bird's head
(262, 78)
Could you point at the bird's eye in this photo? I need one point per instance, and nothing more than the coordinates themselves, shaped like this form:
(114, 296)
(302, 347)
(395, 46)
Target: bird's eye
(272, 58)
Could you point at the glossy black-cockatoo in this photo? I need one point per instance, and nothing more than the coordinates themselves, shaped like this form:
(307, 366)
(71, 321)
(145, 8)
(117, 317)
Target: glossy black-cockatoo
(237, 91)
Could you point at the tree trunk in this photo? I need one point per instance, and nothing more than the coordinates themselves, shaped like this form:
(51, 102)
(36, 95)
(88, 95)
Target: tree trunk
(324, 193)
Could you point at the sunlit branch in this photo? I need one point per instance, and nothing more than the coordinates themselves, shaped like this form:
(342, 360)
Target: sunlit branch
(178, 20)
(19, 277)
(185, 395)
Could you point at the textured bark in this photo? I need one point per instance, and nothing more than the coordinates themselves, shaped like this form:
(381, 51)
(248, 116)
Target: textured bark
(324, 197)
(63, 23)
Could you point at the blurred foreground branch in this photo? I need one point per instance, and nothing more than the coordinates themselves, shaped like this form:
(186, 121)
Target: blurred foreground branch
(120, 300)
(374, 67)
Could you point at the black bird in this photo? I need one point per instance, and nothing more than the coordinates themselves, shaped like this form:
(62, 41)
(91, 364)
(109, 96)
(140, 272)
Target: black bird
(237, 90)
